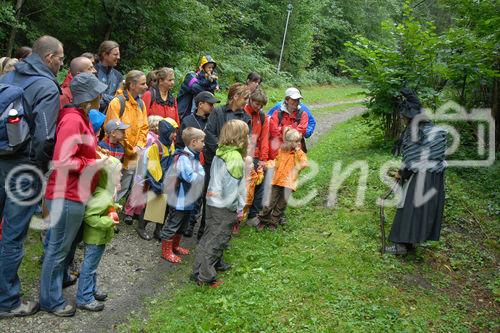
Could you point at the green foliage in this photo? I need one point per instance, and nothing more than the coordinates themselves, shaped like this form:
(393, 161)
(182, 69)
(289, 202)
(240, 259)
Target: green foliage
(455, 64)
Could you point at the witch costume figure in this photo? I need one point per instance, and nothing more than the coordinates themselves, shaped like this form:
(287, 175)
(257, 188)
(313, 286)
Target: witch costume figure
(422, 145)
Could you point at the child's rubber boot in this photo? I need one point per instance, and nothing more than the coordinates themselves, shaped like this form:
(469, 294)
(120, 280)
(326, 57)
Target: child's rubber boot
(235, 229)
(167, 253)
(176, 245)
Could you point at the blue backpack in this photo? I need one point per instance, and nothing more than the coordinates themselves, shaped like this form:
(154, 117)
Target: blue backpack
(13, 136)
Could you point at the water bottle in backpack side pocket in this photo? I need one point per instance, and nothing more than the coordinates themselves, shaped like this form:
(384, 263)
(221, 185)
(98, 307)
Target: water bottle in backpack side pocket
(17, 128)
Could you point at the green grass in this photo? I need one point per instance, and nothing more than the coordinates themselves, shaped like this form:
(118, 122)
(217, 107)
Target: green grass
(30, 268)
(323, 273)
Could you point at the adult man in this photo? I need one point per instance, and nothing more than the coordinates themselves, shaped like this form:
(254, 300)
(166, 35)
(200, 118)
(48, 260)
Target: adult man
(289, 114)
(109, 55)
(311, 122)
(21, 191)
(77, 65)
(204, 102)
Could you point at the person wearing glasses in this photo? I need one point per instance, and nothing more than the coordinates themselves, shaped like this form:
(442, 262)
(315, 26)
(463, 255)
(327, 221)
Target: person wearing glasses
(31, 159)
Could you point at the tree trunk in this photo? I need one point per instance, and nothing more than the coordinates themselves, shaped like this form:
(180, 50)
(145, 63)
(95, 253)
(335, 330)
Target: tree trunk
(13, 32)
(495, 110)
(392, 125)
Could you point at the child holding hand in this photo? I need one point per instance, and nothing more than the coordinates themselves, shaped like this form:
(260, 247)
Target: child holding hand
(288, 164)
(99, 219)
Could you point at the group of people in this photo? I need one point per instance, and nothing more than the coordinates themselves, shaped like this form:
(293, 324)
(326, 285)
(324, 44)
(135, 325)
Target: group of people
(107, 147)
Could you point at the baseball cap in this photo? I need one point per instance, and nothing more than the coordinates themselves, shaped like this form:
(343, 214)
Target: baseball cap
(85, 87)
(115, 124)
(205, 96)
(293, 93)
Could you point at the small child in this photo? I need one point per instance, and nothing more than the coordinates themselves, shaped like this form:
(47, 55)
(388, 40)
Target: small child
(225, 201)
(99, 219)
(111, 144)
(185, 180)
(288, 164)
(137, 198)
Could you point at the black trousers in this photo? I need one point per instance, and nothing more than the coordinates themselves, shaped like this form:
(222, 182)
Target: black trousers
(177, 222)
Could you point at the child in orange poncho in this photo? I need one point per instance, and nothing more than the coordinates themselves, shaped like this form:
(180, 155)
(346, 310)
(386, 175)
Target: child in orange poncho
(289, 162)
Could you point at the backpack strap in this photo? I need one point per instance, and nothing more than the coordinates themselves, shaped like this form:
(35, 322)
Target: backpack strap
(9, 79)
(121, 98)
(297, 119)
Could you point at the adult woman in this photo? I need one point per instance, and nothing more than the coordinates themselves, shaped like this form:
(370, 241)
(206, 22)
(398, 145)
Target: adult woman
(423, 145)
(74, 167)
(109, 56)
(129, 108)
(159, 100)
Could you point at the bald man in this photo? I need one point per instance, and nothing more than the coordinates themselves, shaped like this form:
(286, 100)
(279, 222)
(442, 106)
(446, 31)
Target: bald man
(77, 65)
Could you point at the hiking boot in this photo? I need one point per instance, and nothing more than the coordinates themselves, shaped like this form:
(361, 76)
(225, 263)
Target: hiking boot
(141, 230)
(222, 266)
(93, 306)
(235, 229)
(260, 227)
(66, 311)
(396, 249)
(128, 220)
(26, 308)
(283, 220)
(213, 284)
(167, 252)
(100, 296)
(72, 279)
(253, 222)
(176, 240)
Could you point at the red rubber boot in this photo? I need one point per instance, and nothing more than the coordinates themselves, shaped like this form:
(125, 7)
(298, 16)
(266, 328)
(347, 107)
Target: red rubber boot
(177, 248)
(167, 253)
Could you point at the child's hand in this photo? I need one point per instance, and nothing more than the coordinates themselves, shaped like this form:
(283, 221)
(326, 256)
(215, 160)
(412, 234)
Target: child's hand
(114, 217)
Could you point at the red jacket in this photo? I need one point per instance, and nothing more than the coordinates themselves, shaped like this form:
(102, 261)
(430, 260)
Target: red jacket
(276, 129)
(66, 96)
(260, 134)
(74, 151)
(156, 109)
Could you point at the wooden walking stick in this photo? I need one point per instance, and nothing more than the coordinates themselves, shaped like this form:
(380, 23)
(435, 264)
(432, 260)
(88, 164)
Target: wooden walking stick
(382, 217)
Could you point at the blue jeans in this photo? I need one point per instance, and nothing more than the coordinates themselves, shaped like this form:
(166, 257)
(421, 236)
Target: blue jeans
(88, 277)
(16, 208)
(66, 217)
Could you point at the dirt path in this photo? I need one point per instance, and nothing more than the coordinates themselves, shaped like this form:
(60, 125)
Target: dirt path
(132, 271)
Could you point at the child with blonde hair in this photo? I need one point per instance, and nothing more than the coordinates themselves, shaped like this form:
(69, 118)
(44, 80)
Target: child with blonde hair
(225, 201)
(288, 164)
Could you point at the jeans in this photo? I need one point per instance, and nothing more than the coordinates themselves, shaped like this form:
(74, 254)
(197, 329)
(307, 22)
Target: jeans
(88, 277)
(17, 211)
(66, 217)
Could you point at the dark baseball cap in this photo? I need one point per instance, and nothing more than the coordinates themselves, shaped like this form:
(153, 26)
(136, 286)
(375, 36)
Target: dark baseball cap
(206, 96)
(85, 87)
(115, 124)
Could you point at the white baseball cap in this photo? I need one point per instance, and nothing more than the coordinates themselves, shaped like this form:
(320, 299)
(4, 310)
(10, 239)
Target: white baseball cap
(293, 93)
